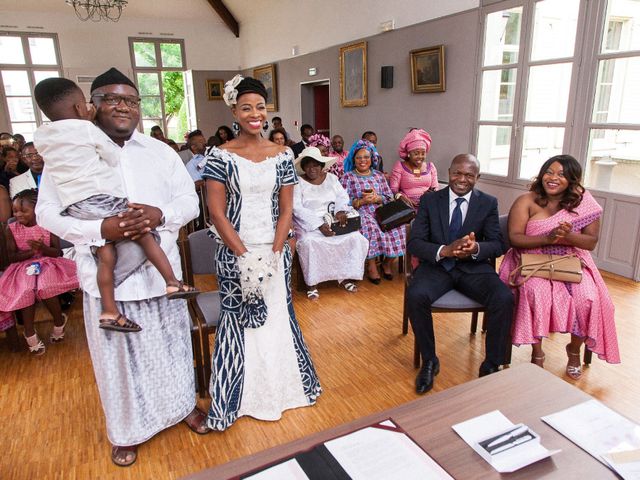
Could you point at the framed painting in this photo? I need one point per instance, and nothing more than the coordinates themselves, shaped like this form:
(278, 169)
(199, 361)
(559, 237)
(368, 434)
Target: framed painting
(267, 75)
(427, 70)
(353, 75)
(215, 89)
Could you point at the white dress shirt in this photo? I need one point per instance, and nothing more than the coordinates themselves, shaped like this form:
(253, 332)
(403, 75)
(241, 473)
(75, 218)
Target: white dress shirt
(152, 174)
(464, 208)
(81, 160)
(24, 181)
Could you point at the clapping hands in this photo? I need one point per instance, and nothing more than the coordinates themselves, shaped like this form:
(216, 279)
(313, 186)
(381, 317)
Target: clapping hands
(559, 233)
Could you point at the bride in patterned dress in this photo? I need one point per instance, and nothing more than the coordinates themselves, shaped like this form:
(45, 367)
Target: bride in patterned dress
(261, 365)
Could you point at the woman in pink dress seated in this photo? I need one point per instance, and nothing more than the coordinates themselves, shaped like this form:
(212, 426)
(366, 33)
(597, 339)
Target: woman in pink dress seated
(557, 216)
(413, 176)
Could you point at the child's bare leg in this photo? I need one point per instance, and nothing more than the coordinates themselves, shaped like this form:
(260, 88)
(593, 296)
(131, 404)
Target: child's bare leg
(28, 315)
(111, 318)
(53, 305)
(106, 263)
(159, 259)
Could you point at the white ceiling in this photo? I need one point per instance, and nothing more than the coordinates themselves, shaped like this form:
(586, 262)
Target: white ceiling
(169, 9)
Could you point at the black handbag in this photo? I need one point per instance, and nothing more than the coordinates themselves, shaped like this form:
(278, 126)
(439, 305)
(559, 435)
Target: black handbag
(353, 221)
(393, 214)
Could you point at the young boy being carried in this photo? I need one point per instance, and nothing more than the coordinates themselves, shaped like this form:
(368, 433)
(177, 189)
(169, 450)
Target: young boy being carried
(84, 164)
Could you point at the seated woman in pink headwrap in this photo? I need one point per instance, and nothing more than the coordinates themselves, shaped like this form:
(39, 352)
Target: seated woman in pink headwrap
(412, 176)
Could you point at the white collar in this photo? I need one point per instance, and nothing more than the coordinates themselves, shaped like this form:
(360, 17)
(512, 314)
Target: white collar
(453, 196)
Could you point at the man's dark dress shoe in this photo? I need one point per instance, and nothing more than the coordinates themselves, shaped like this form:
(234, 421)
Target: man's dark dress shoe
(488, 369)
(375, 281)
(424, 380)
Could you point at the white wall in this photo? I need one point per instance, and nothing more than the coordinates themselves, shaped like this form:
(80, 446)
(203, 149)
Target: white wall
(89, 48)
(272, 28)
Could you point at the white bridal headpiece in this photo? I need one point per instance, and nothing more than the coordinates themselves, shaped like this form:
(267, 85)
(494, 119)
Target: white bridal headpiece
(230, 94)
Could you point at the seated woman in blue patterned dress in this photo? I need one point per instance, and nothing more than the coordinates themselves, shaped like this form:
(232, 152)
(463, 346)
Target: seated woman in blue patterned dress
(368, 189)
(261, 365)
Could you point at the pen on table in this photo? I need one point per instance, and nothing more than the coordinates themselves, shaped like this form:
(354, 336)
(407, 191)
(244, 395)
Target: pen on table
(524, 438)
(508, 436)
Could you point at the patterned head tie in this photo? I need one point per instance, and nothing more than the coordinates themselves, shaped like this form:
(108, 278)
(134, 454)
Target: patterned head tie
(349, 162)
(416, 138)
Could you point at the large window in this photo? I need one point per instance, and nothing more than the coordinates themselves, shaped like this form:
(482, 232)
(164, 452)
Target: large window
(159, 66)
(527, 75)
(613, 155)
(25, 59)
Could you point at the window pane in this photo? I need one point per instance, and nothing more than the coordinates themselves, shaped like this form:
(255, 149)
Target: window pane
(16, 82)
(498, 92)
(502, 37)
(148, 84)
(613, 161)
(26, 129)
(622, 26)
(171, 54)
(493, 149)
(40, 75)
(175, 107)
(554, 31)
(144, 54)
(21, 109)
(148, 123)
(548, 92)
(151, 108)
(43, 51)
(539, 144)
(11, 50)
(618, 91)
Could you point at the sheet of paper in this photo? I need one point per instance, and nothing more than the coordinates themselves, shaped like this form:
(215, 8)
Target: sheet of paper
(601, 432)
(379, 454)
(626, 463)
(484, 426)
(289, 470)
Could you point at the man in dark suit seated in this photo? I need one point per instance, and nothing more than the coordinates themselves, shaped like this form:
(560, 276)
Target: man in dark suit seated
(306, 131)
(455, 234)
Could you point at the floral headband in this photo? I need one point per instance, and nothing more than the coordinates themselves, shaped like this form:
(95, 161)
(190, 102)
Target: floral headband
(230, 94)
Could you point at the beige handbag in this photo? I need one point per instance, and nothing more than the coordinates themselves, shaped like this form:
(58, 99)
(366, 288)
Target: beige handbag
(562, 268)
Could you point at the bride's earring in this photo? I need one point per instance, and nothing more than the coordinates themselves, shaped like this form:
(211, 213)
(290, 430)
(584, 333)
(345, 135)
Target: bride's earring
(265, 125)
(235, 127)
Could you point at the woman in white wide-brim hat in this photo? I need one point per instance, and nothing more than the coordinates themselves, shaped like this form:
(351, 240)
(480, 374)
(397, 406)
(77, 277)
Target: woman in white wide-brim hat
(323, 255)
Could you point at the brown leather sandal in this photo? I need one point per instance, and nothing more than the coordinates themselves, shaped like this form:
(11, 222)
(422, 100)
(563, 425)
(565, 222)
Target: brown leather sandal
(196, 421)
(181, 291)
(119, 455)
(119, 324)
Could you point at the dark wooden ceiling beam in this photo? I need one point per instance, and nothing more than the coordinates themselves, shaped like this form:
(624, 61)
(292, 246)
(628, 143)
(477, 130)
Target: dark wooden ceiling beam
(226, 16)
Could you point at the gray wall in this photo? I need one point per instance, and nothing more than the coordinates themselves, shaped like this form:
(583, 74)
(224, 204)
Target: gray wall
(210, 114)
(446, 116)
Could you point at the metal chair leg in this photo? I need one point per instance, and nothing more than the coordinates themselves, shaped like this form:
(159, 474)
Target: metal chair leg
(474, 323)
(405, 316)
(587, 356)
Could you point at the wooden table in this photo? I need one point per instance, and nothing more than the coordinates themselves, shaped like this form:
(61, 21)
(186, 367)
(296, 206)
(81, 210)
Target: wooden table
(523, 394)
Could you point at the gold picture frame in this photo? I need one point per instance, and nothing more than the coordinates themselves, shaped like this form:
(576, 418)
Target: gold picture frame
(215, 89)
(427, 70)
(353, 75)
(267, 75)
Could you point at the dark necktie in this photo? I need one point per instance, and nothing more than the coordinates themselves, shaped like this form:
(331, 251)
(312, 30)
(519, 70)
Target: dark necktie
(454, 230)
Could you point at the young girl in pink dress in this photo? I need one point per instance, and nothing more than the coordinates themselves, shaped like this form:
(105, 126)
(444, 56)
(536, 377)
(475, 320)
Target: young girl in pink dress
(559, 217)
(413, 176)
(37, 272)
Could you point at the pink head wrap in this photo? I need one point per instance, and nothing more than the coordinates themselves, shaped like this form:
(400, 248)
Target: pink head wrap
(416, 138)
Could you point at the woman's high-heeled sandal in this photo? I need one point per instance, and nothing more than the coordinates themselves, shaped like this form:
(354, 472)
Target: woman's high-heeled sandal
(36, 347)
(539, 361)
(574, 372)
(57, 334)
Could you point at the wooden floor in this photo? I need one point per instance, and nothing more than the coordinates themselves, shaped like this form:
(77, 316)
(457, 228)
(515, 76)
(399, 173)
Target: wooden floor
(52, 426)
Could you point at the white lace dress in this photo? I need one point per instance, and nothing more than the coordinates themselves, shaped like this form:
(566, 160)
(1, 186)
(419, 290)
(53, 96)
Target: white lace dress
(340, 257)
(262, 371)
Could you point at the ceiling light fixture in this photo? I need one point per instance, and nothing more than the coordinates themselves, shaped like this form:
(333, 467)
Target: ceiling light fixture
(98, 10)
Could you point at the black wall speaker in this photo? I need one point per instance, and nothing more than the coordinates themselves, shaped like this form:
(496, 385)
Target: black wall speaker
(386, 76)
